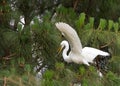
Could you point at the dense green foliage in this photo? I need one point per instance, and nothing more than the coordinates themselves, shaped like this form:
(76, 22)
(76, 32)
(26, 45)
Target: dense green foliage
(22, 47)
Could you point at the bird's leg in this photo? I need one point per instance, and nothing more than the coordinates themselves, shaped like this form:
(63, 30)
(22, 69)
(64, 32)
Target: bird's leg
(86, 63)
(100, 74)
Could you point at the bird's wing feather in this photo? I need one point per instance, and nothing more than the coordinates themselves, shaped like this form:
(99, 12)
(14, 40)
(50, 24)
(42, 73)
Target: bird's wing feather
(71, 35)
(90, 53)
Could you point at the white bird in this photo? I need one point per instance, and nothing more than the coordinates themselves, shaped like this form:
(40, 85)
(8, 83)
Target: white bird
(77, 54)
(88, 53)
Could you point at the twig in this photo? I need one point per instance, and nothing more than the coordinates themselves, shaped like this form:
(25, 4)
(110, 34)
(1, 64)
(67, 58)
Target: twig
(75, 4)
(21, 22)
(20, 82)
(5, 81)
(8, 57)
(107, 44)
(14, 81)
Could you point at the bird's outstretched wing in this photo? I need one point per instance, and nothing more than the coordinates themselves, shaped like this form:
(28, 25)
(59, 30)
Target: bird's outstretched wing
(71, 35)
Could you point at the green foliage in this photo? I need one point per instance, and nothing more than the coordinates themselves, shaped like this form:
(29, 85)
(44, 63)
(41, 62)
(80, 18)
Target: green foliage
(59, 66)
(90, 25)
(80, 22)
(21, 60)
(112, 79)
(19, 26)
(82, 70)
(110, 76)
(5, 73)
(66, 14)
(41, 39)
(102, 24)
(45, 39)
(116, 27)
(48, 75)
(114, 65)
(91, 20)
(119, 20)
(27, 68)
(110, 24)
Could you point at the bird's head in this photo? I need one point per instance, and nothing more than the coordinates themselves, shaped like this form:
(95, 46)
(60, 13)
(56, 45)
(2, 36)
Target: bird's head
(62, 45)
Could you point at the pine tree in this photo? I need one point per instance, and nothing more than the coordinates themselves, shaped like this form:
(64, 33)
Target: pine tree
(23, 45)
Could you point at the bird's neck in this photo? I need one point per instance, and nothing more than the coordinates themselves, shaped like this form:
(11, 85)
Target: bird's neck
(65, 52)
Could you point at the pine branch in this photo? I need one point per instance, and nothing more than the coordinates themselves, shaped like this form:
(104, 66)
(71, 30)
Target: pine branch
(8, 56)
(107, 44)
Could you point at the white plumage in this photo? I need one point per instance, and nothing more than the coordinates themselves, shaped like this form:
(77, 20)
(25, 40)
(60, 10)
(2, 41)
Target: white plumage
(64, 54)
(77, 54)
(90, 53)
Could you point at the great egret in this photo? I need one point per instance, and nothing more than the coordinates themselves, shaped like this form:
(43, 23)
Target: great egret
(77, 54)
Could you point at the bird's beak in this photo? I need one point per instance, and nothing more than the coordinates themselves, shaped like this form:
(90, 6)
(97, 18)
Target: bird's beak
(59, 50)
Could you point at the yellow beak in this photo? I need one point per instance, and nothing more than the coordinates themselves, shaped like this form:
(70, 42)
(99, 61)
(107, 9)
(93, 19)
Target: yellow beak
(59, 50)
